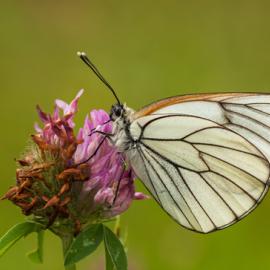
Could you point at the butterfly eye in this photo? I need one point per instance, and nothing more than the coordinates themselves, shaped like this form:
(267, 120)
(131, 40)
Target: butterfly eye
(116, 111)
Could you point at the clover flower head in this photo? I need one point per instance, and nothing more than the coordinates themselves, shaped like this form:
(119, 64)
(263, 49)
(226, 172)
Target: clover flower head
(67, 180)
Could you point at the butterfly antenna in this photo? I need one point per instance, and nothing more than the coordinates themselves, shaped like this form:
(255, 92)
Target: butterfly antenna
(88, 62)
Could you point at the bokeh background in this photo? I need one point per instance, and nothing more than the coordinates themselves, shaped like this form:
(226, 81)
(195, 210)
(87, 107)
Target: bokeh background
(148, 50)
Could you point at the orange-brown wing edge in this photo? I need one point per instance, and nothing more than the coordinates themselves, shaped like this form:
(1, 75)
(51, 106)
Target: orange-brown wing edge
(151, 108)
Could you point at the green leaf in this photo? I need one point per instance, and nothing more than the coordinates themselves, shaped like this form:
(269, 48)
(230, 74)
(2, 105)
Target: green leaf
(84, 244)
(16, 233)
(36, 256)
(109, 263)
(115, 253)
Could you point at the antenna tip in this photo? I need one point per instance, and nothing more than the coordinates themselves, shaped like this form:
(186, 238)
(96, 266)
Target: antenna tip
(80, 54)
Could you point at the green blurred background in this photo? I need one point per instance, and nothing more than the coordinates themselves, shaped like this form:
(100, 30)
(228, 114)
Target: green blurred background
(148, 50)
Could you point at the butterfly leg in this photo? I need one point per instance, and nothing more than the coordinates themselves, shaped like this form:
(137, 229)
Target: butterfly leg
(107, 136)
(100, 132)
(119, 181)
(118, 186)
(95, 129)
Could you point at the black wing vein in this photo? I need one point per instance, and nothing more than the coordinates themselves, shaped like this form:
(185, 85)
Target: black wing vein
(172, 197)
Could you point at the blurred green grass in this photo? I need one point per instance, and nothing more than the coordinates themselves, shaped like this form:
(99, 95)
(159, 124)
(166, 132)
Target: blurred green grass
(148, 50)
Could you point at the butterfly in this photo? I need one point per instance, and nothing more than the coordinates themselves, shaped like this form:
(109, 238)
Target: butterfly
(203, 157)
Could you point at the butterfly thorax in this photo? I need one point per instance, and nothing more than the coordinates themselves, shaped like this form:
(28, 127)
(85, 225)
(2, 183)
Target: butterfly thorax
(122, 117)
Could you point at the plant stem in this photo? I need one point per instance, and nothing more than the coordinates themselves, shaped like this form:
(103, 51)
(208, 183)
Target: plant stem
(66, 242)
(71, 267)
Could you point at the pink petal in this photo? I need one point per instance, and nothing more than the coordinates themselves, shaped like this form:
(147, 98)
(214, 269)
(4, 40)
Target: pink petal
(140, 196)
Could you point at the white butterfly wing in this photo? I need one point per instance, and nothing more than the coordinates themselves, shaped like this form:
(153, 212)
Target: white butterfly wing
(247, 114)
(203, 168)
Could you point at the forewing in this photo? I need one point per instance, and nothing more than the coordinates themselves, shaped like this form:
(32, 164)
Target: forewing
(248, 114)
(203, 174)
